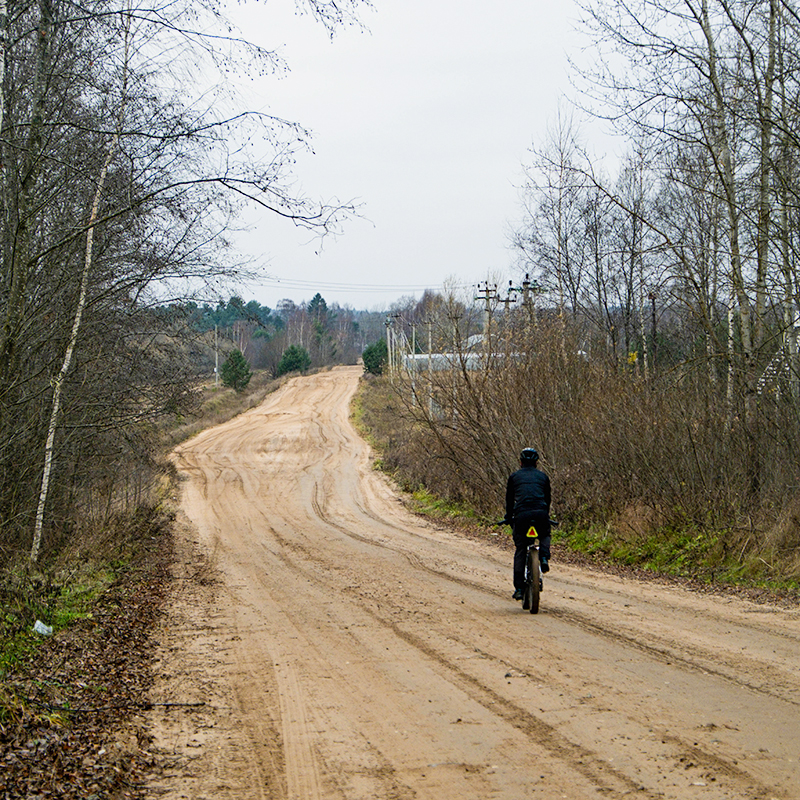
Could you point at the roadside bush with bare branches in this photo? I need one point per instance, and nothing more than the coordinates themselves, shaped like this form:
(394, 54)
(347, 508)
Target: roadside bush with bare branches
(635, 456)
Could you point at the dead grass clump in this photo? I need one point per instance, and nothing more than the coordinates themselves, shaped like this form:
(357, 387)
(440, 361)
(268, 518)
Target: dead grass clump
(783, 536)
(379, 413)
(636, 522)
(218, 404)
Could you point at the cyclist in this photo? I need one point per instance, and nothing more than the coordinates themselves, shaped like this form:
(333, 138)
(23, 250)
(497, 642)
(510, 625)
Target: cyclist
(528, 503)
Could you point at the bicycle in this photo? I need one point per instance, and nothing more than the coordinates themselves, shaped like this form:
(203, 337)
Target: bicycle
(534, 582)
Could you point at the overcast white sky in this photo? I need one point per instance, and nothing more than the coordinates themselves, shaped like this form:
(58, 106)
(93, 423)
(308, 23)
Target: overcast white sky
(425, 119)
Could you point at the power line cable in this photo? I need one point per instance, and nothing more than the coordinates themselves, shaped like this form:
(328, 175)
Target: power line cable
(331, 286)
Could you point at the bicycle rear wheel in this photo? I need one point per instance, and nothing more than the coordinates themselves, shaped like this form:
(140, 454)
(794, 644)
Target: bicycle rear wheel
(530, 598)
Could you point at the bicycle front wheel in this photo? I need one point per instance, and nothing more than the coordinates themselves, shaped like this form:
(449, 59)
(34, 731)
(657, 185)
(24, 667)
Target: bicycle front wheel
(530, 600)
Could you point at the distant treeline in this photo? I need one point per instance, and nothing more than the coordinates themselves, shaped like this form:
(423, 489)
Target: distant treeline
(224, 314)
(330, 334)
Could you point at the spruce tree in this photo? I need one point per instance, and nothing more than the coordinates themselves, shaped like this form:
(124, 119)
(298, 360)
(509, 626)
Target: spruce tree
(236, 371)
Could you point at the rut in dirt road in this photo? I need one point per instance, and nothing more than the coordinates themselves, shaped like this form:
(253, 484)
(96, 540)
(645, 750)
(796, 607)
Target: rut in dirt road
(347, 649)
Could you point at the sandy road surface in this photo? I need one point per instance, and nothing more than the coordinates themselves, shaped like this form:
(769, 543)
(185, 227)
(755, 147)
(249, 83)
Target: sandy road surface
(348, 650)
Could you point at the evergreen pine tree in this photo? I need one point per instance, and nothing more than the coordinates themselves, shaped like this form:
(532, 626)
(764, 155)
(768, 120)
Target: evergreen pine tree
(236, 371)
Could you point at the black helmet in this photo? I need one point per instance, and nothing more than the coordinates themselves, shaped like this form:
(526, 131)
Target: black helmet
(529, 456)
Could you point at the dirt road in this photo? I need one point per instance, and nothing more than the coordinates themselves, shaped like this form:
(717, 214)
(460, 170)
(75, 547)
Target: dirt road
(337, 647)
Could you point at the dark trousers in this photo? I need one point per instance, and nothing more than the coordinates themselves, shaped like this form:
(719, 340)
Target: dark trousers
(521, 540)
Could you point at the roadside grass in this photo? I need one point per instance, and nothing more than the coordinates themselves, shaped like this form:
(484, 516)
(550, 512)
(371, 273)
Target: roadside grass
(424, 502)
(218, 404)
(24, 603)
(56, 598)
(376, 415)
(701, 555)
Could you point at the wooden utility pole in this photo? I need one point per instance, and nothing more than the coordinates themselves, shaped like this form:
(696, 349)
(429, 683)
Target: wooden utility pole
(488, 293)
(529, 290)
(388, 325)
(430, 368)
(510, 297)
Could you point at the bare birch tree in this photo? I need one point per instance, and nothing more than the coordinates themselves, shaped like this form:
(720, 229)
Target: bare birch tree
(106, 201)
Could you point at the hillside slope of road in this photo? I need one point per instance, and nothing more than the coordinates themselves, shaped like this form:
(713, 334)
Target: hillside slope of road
(322, 642)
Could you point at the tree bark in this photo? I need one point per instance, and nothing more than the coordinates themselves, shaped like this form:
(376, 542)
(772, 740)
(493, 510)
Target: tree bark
(58, 383)
(727, 175)
(18, 261)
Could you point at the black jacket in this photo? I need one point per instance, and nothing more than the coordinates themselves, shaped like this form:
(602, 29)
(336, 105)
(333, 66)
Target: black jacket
(527, 492)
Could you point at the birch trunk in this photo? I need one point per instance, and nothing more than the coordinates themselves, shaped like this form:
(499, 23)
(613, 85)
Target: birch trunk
(58, 384)
(765, 102)
(727, 176)
(790, 311)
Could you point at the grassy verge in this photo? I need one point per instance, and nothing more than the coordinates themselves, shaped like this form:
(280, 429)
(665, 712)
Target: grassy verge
(58, 606)
(425, 502)
(377, 414)
(219, 404)
(704, 556)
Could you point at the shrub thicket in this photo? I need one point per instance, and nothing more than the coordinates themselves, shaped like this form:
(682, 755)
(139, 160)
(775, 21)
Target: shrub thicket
(632, 457)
